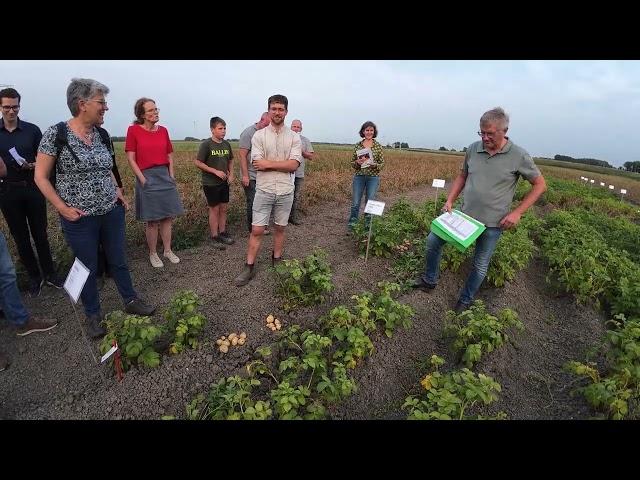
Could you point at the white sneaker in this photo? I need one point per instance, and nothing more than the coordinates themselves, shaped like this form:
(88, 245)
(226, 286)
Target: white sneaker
(155, 260)
(172, 257)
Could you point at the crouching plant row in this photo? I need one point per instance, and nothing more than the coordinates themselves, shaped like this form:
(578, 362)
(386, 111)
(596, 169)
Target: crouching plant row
(452, 395)
(614, 391)
(141, 341)
(303, 374)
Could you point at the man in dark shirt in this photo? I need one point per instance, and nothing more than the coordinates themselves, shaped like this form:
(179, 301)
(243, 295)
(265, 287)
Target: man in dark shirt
(22, 204)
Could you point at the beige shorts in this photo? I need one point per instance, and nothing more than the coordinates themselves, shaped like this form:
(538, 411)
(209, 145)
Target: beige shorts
(264, 203)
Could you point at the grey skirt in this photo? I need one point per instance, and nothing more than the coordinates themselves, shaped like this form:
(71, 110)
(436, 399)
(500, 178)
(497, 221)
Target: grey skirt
(159, 197)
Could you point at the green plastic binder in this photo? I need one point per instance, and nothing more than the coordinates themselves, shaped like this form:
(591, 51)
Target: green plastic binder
(462, 245)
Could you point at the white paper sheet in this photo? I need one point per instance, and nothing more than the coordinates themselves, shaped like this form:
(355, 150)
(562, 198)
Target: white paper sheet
(76, 279)
(111, 351)
(374, 207)
(16, 156)
(456, 225)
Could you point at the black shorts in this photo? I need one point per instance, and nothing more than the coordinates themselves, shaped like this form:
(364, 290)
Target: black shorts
(216, 194)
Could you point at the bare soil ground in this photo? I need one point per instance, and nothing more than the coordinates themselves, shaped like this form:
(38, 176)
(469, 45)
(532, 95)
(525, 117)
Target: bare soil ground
(53, 376)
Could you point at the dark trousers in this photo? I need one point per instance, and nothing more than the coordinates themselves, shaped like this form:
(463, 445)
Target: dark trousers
(250, 193)
(103, 265)
(25, 209)
(83, 236)
(297, 195)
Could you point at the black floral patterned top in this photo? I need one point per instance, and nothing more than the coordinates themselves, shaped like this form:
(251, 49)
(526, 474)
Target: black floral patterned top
(87, 184)
(378, 157)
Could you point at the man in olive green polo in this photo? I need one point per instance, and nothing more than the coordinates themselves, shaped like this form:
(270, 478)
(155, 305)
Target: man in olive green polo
(488, 182)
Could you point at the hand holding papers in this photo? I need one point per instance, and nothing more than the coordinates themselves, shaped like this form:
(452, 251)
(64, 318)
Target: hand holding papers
(457, 228)
(366, 157)
(16, 156)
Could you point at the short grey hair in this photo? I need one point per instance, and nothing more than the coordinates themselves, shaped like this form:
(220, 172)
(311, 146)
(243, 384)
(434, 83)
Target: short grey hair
(496, 116)
(83, 89)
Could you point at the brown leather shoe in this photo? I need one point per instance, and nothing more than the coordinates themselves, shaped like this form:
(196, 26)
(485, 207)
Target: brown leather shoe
(461, 307)
(275, 260)
(35, 324)
(248, 272)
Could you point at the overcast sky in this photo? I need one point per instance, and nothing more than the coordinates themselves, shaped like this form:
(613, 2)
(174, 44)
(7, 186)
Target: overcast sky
(577, 108)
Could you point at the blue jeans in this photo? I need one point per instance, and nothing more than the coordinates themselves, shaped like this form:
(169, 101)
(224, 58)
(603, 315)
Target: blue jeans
(9, 294)
(83, 236)
(485, 246)
(367, 184)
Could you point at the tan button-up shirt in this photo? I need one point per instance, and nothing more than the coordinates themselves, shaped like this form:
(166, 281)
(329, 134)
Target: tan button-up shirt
(279, 146)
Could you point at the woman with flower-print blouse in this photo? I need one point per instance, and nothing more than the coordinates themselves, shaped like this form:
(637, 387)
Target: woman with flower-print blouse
(367, 177)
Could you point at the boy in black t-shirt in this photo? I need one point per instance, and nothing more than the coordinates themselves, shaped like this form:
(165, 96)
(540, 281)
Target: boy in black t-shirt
(215, 159)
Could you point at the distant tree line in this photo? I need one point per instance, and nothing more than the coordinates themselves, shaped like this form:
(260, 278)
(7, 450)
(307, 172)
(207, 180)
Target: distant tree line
(398, 145)
(587, 161)
(632, 166)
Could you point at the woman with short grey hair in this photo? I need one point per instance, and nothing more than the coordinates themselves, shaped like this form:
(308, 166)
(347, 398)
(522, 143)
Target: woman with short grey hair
(91, 208)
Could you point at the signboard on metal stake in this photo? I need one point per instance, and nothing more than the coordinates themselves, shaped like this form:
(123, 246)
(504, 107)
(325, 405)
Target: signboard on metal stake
(438, 184)
(73, 285)
(372, 207)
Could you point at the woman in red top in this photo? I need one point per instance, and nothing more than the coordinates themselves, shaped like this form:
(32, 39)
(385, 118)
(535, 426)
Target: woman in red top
(149, 151)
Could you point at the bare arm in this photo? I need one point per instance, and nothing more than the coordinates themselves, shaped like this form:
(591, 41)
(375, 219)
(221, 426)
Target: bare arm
(288, 166)
(131, 157)
(230, 167)
(244, 166)
(44, 164)
(205, 168)
(171, 172)
(539, 187)
(456, 188)
(308, 155)
(3, 168)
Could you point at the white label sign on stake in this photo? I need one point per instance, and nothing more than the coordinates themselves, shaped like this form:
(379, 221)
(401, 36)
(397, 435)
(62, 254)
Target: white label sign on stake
(592, 181)
(76, 279)
(623, 191)
(602, 184)
(111, 351)
(438, 183)
(374, 207)
(611, 187)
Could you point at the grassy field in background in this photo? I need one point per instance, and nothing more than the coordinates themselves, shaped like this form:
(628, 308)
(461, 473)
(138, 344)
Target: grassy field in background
(327, 178)
(585, 169)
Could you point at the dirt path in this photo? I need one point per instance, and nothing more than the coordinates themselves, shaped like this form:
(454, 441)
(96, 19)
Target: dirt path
(52, 375)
